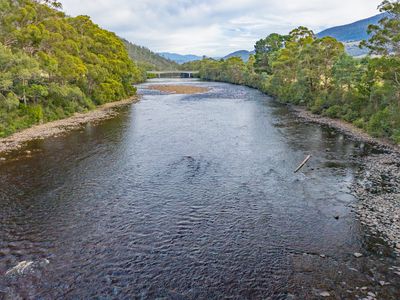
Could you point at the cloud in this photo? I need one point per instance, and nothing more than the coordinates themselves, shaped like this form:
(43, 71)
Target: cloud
(215, 27)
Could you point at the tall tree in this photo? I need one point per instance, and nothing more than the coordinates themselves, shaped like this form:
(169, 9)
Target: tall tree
(385, 39)
(265, 49)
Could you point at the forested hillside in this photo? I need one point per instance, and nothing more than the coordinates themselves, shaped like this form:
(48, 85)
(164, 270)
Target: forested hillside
(53, 65)
(149, 60)
(356, 31)
(317, 73)
(243, 54)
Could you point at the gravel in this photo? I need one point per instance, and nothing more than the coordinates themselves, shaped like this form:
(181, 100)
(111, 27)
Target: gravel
(378, 190)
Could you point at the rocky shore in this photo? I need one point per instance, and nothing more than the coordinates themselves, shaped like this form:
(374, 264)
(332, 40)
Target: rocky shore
(379, 194)
(378, 183)
(17, 140)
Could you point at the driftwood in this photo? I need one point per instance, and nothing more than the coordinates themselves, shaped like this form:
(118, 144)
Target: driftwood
(303, 164)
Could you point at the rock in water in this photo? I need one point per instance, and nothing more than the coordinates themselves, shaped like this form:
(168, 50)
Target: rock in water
(325, 294)
(358, 255)
(22, 268)
(26, 267)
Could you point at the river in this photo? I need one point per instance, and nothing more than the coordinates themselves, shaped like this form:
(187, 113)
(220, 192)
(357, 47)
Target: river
(190, 197)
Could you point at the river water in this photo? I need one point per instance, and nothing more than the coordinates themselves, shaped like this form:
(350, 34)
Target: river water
(190, 197)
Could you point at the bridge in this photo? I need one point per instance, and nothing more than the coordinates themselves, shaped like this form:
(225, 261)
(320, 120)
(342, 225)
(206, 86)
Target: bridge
(172, 74)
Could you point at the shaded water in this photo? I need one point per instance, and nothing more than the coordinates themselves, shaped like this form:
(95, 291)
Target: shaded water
(190, 197)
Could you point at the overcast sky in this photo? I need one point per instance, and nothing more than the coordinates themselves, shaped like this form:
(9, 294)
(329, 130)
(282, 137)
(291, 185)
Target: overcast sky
(214, 27)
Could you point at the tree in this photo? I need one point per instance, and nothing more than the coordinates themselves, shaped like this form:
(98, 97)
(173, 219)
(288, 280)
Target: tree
(51, 3)
(57, 65)
(264, 50)
(385, 39)
(301, 35)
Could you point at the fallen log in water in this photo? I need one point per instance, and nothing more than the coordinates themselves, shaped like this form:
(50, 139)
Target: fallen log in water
(303, 164)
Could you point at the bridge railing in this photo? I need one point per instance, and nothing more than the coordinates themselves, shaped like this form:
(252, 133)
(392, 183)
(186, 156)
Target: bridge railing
(173, 74)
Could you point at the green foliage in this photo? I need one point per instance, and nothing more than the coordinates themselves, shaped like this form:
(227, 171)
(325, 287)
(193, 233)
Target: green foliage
(148, 60)
(52, 65)
(379, 124)
(317, 73)
(385, 37)
(265, 49)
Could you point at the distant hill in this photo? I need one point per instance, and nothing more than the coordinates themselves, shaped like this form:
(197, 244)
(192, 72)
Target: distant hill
(356, 31)
(179, 58)
(243, 54)
(353, 49)
(148, 59)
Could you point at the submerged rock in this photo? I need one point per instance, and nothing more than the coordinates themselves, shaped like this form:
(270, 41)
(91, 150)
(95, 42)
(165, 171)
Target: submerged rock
(26, 267)
(383, 283)
(325, 294)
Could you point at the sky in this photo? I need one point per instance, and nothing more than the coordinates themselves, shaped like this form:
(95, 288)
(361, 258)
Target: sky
(214, 27)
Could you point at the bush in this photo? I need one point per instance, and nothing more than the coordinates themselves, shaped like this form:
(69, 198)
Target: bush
(318, 106)
(379, 124)
(333, 111)
(360, 123)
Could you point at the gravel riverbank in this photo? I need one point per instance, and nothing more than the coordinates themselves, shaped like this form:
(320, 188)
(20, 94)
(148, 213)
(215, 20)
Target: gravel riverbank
(378, 184)
(178, 89)
(17, 140)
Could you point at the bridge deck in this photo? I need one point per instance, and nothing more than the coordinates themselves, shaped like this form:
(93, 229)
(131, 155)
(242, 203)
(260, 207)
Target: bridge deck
(172, 72)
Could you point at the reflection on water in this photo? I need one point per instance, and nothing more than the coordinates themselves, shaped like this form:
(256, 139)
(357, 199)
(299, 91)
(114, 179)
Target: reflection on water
(187, 197)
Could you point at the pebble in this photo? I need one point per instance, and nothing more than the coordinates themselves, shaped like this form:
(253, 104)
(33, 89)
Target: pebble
(28, 152)
(2, 158)
(378, 191)
(325, 294)
(371, 294)
(358, 255)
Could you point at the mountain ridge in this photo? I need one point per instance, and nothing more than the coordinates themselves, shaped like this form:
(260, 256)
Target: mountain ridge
(351, 32)
(180, 58)
(243, 54)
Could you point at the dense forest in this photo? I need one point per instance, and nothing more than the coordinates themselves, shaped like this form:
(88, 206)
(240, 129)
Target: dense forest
(53, 65)
(148, 60)
(317, 73)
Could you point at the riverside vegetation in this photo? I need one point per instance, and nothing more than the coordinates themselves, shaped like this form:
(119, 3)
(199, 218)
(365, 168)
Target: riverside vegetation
(52, 65)
(302, 69)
